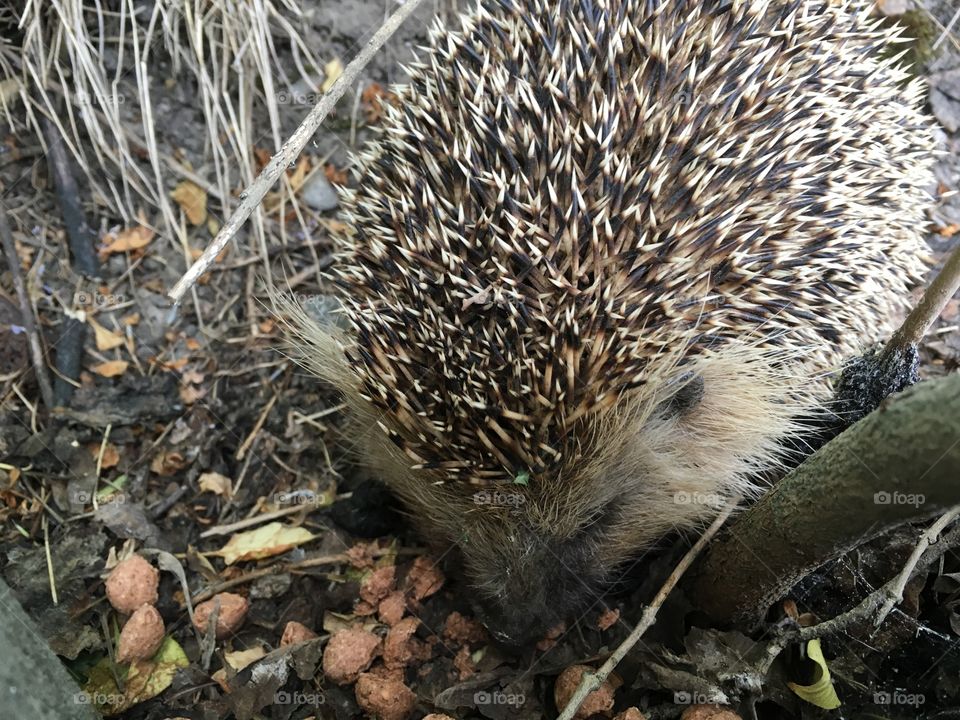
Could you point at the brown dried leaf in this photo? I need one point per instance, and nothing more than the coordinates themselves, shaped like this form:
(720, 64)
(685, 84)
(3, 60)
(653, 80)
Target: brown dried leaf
(105, 339)
(216, 483)
(127, 240)
(167, 463)
(333, 71)
(111, 368)
(192, 199)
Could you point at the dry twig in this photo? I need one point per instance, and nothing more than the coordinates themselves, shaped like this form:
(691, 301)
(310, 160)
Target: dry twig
(592, 681)
(898, 584)
(930, 306)
(288, 152)
(26, 311)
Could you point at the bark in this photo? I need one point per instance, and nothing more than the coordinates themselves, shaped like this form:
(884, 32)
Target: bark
(900, 463)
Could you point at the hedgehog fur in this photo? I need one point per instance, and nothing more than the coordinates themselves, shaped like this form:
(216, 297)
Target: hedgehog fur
(606, 255)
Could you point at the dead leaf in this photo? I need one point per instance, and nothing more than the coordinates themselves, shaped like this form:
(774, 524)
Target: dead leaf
(216, 483)
(333, 71)
(111, 456)
(241, 658)
(192, 199)
(271, 539)
(111, 368)
(374, 99)
(167, 463)
(106, 339)
(335, 175)
(127, 240)
(299, 173)
(189, 394)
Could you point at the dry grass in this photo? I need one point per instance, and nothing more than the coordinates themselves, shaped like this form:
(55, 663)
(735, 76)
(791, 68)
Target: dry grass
(87, 64)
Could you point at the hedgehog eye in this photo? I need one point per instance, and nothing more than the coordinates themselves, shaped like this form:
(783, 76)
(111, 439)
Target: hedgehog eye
(686, 397)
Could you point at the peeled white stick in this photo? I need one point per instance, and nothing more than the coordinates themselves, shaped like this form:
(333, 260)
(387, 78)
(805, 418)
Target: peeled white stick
(251, 198)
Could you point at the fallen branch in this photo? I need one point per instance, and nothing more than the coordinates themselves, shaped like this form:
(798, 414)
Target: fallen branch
(73, 334)
(943, 287)
(900, 463)
(79, 233)
(592, 681)
(253, 195)
(865, 609)
(26, 311)
(899, 583)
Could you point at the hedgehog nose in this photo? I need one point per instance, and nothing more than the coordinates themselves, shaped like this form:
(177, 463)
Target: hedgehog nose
(510, 636)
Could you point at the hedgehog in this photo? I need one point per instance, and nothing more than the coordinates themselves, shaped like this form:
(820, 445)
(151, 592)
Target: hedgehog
(604, 258)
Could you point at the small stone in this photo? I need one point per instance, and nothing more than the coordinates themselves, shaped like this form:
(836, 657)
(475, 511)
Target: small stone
(295, 632)
(400, 647)
(392, 608)
(348, 653)
(233, 611)
(424, 578)
(460, 629)
(318, 193)
(141, 636)
(631, 713)
(385, 698)
(378, 584)
(132, 583)
(709, 712)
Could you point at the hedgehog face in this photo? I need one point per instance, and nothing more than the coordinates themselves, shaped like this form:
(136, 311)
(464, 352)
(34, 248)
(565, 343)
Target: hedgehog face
(544, 550)
(526, 580)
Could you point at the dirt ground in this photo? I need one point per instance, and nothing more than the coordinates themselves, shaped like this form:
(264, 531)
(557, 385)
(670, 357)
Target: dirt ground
(186, 435)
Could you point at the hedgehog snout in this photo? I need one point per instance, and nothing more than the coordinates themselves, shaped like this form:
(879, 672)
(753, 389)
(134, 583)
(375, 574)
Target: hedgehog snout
(536, 584)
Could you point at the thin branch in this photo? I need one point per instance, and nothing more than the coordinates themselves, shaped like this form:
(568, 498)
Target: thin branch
(251, 198)
(866, 607)
(863, 610)
(900, 582)
(930, 306)
(26, 312)
(592, 681)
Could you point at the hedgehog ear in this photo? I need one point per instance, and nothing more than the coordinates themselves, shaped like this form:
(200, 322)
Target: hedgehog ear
(686, 393)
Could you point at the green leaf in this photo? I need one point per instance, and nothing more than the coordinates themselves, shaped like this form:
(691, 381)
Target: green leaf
(821, 692)
(522, 478)
(142, 680)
